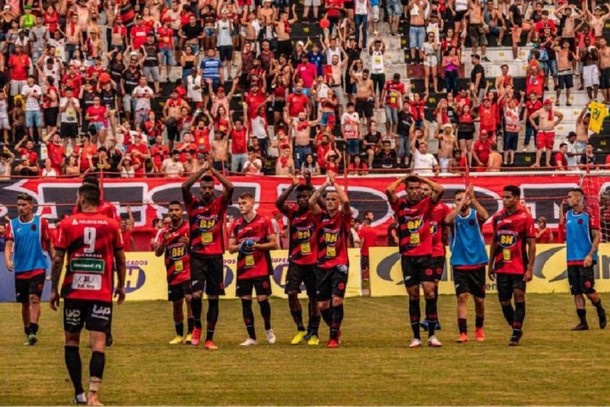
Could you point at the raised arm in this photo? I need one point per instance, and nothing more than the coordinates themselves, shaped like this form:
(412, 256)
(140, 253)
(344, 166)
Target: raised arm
(187, 195)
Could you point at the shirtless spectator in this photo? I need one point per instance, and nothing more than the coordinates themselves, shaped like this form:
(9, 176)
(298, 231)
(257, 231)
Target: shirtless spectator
(582, 129)
(604, 66)
(447, 142)
(417, 29)
(565, 59)
(365, 95)
(590, 69)
(548, 119)
(301, 128)
(476, 28)
(494, 163)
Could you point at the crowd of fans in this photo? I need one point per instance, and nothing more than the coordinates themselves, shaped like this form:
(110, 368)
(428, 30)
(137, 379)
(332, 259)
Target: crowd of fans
(87, 82)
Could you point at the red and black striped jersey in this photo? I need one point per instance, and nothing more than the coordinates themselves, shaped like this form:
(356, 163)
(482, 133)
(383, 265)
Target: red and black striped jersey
(333, 239)
(177, 258)
(303, 245)
(437, 227)
(258, 262)
(511, 233)
(90, 240)
(207, 225)
(414, 234)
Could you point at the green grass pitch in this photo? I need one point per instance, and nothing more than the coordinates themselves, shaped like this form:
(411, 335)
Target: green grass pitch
(554, 366)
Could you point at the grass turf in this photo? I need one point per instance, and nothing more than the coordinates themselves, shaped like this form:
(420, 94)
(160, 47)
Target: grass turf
(373, 367)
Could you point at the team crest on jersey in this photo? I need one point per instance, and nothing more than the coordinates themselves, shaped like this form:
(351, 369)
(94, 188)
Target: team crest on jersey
(330, 236)
(413, 224)
(206, 224)
(507, 238)
(304, 233)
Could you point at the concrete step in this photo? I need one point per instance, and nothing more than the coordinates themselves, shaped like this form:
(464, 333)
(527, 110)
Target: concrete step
(494, 69)
(391, 42)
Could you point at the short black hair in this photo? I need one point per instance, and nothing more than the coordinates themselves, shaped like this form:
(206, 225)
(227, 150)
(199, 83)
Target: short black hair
(412, 178)
(303, 188)
(174, 202)
(513, 189)
(90, 193)
(206, 178)
(459, 191)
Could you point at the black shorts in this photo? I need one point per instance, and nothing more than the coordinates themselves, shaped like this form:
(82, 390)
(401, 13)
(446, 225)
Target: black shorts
(416, 270)
(364, 108)
(465, 135)
(261, 285)
(279, 105)
(565, 81)
(437, 264)
(207, 272)
(171, 125)
(470, 281)
(604, 80)
(50, 116)
(506, 283)
(331, 283)
(298, 274)
(459, 15)
(68, 130)
(24, 287)
(93, 315)
(581, 279)
(178, 291)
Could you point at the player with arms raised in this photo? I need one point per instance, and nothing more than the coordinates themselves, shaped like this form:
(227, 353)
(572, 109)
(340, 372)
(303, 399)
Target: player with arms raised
(582, 242)
(252, 237)
(438, 229)
(302, 259)
(414, 214)
(94, 247)
(28, 237)
(206, 221)
(468, 259)
(173, 244)
(512, 253)
(333, 260)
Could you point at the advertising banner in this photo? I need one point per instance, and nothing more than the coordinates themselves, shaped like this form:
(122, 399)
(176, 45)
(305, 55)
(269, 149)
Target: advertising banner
(148, 197)
(550, 272)
(146, 277)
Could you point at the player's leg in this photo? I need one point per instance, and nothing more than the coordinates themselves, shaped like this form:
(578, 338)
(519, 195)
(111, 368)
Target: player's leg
(324, 294)
(431, 311)
(477, 289)
(96, 321)
(339, 283)
(262, 286)
(519, 315)
(190, 321)
(587, 283)
(178, 315)
(73, 324)
(22, 296)
(579, 300)
(411, 280)
(244, 292)
(309, 277)
(505, 294)
(462, 316)
(36, 285)
(292, 289)
(214, 288)
(97, 363)
(197, 284)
